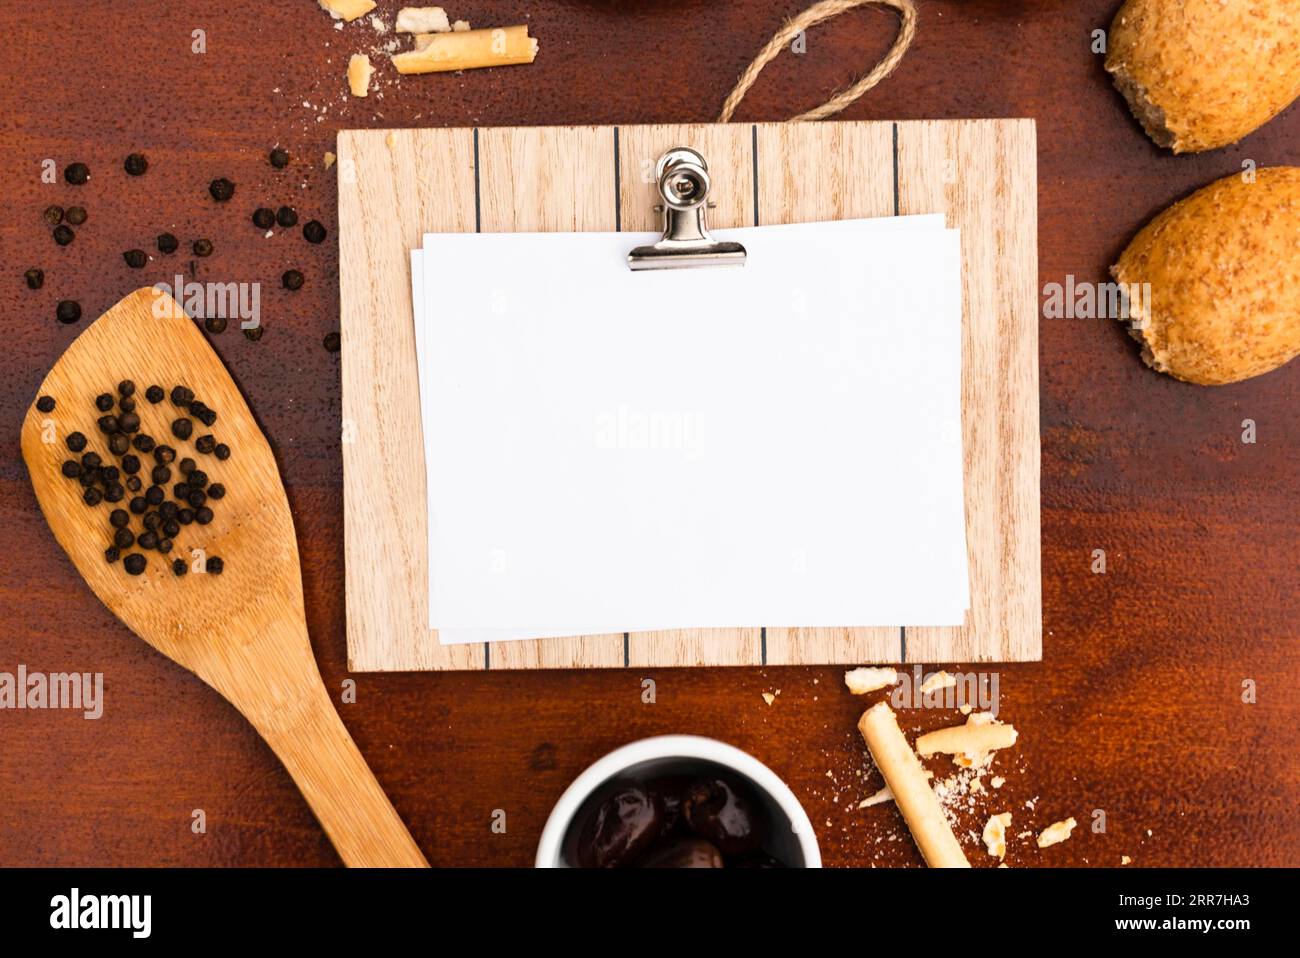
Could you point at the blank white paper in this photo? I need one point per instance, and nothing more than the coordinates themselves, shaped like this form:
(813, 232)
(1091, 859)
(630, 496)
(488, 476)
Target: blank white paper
(772, 445)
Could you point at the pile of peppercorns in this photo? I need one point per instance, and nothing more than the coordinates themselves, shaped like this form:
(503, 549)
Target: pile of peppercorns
(161, 518)
(221, 190)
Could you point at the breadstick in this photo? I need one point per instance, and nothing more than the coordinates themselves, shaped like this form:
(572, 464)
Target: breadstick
(469, 50)
(967, 739)
(906, 779)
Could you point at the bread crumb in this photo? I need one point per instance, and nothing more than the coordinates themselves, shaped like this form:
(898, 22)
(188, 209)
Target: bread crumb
(995, 835)
(1056, 833)
(769, 698)
(460, 26)
(347, 10)
(997, 781)
(882, 796)
(1125, 860)
(422, 20)
(937, 680)
(329, 159)
(863, 680)
(359, 73)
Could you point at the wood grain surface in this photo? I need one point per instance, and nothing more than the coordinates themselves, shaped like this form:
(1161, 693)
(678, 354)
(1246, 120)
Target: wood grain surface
(1137, 710)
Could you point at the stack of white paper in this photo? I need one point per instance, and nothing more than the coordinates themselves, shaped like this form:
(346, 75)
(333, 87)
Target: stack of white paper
(775, 445)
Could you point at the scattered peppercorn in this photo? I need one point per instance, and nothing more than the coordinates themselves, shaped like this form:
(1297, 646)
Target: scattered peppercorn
(154, 394)
(186, 466)
(204, 444)
(134, 563)
(104, 402)
(222, 451)
(164, 545)
(215, 324)
(135, 258)
(185, 516)
(133, 484)
(179, 567)
(63, 235)
(143, 442)
(68, 311)
(111, 554)
(203, 516)
(92, 496)
(126, 404)
(124, 538)
(130, 464)
(197, 498)
(253, 333)
(292, 279)
(154, 495)
(216, 491)
(45, 404)
(151, 521)
(76, 441)
(160, 475)
(75, 215)
(91, 460)
(115, 493)
(168, 510)
(107, 424)
(35, 278)
(53, 215)
(136, 164)
(148, 540)
(331, 342)
(119, 518)
(128, 422)
(138, 505)
(221, 189)
(279, 158)
(76, 173)
(170, 527)
(71, 468)
(286, 216)
(314, 232)
(263, 218)
(167, 243)
(203, 414)
(181, 428)
(182, 395)
(181, 491)
(164, 454)
(118, 443)
(197, 478)
(109, 475)
(202, 247)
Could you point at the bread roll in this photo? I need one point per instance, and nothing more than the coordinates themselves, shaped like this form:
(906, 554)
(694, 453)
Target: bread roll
(1200, 74)
(1224, 272)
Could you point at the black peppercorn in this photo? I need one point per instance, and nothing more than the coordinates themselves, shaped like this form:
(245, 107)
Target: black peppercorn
(186, 466)
(111, 554)
(185, 517)
(104, 402)
(124, 538)
(109, 475)
(181, 428)
(76, 173)
(164, 454)
(92, 496)
(136, 164)
(221, 189)
(45, 404)
(71, 468)
(164, 545)
(53, 215)
(154, 495)
(128, 422)
(314, 231)
(88, 477)
(148, 540)
(197, 479)
(91, 460)
(181, 491)
(134, 563)
(118, 518)
(215, 324)
(76, 441)
(286, 216)
(143, 442)
(202, 247)
(68, 311)
(135, 258)
(115, 493)
(154, 394)
(167, 243)
(160, 475)
(222, 451)
(203, 515)
(35, 278)
(214, 565)
(179, 567)
(263, 218)
(63, 234)
(138, 505)
(171, 528)
(107, 424)
(216, 491)
(204, 415)
(151, 521)
(292, 279)
(253, 333)
(168, 510)
(133, 484)
(75, 215)
(197, 498)
(182, 395)
(118, 443)
(126, 404)
(205, 445)
(332, 342)
(279, 158)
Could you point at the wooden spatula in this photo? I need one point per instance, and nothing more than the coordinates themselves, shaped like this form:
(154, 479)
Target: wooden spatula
(243, 631)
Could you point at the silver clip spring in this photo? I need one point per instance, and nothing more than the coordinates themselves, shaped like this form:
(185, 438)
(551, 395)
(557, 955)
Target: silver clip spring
(683, 179)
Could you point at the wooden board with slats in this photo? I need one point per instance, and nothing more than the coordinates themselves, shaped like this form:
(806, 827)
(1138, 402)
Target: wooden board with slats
(396, 185)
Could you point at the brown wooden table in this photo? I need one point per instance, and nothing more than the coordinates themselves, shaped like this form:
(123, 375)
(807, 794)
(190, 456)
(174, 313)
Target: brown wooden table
(1137, 707)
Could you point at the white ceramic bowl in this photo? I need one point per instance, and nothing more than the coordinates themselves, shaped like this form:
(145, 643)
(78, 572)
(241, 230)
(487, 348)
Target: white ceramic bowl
(792, 840)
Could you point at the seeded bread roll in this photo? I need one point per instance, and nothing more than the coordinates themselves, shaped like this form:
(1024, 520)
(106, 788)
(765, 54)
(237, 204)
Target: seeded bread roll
(1224, 272)
(1201, 74)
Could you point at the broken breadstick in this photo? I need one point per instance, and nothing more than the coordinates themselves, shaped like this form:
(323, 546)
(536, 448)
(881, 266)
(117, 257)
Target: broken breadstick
(906, 779)
(866, 679)
(968, 739)
(995, 834)
(469, 50)
(359, 72)
(422, 20)
(347, 10)
(1056, 833)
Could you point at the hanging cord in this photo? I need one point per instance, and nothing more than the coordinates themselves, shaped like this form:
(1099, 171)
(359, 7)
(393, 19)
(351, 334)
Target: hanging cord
(814, 15)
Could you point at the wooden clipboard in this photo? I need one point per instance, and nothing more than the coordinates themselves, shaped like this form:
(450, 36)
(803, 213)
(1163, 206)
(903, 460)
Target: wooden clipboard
(396, 185)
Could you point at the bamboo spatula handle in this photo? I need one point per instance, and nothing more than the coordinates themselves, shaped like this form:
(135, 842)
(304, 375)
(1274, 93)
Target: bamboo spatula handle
(340, 788)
